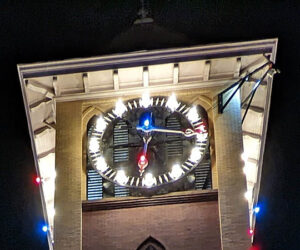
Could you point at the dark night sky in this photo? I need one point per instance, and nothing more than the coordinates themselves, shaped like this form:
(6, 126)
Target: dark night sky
(32, 31)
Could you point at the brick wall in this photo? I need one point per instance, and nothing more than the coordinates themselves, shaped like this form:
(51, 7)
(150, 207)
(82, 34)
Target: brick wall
(179, 226)
(234, 213)
(67, 220)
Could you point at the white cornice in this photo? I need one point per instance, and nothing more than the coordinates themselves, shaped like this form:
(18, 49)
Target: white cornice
(143, 58)
(51, 88)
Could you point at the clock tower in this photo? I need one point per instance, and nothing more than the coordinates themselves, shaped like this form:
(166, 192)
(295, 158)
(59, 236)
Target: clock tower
(142, 150)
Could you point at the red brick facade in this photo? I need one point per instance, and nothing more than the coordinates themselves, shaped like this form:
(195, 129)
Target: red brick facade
(177, 226)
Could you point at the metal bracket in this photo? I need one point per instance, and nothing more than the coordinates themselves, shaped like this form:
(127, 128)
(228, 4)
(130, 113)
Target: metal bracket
(239, 84)
(270, 72)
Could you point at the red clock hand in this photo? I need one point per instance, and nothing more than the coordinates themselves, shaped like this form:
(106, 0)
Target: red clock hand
(143, 162)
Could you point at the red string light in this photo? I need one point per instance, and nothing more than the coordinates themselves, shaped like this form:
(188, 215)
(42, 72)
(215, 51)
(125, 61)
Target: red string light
(250, 232)
(38, 180)
(255, 247)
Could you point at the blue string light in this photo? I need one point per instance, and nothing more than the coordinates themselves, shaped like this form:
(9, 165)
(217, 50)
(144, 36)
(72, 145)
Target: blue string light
(45, 228)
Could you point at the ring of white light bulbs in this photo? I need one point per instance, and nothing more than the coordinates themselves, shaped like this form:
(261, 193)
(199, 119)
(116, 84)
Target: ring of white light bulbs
(148, 180)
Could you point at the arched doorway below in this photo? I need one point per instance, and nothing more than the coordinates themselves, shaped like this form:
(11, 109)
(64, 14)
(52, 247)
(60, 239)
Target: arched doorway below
(151, 244)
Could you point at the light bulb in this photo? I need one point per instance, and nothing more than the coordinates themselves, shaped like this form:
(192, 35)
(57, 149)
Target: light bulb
(201, 136)
(120, 108)
(149, 180)
(145, 101)
(93, 145)
(249, 168)
(195, 154)
(248, 195)
(100, 124)
(202, 128)
(45, 228)
(172, 103)
(192, 115)
(121, 177)
(146, 123)
(244, 156)
(38, 180)
(176, 171)
(256, 209)
(51, 212)
(250, 232)
(142, 163)
(101, 164)
(143, 158)
(246, 169)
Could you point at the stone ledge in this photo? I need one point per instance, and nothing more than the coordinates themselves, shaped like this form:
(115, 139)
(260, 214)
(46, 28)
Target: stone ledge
(179, 198)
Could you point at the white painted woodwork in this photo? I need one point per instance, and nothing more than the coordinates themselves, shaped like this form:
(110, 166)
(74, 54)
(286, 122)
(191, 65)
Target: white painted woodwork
(206, 71)
(45, 141)
(172, 76)
(34, 97)
(70, 83)
(161, 74)
(223, 67)
(56, 87)
(130, 77)
(251, 146)
(39, 88)
(253, 122)
(116, 80)
(40, 113)
(175, 73)
(101, 80)
(145, 77)
(259, 99)
(85, 80)
(237, 67)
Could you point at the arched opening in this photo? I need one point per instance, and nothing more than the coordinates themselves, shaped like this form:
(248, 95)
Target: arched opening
(171, 150)
(151, 244)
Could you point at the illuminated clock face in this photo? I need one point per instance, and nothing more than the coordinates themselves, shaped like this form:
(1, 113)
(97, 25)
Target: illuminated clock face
(147, 142)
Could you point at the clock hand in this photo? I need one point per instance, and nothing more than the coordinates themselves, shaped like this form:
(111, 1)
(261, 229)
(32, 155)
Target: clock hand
(139, 145)
(143, 162)
(187, 133)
